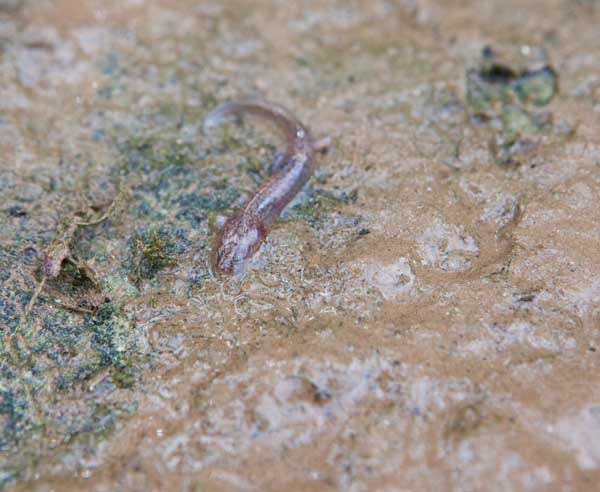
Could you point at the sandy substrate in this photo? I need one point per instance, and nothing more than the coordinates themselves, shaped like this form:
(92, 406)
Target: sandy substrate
(425, 316)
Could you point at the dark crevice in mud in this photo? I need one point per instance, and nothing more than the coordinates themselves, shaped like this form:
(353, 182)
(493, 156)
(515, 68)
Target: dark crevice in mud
(497, 74)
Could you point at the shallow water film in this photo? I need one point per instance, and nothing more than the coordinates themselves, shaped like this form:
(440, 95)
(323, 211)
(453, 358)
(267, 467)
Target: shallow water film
(424, 316)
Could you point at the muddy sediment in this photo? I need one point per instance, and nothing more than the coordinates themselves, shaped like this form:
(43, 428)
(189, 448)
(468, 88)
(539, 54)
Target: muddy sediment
(424, 316)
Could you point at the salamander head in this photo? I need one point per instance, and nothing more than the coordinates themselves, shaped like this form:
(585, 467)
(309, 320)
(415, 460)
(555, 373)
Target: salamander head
(239, 240)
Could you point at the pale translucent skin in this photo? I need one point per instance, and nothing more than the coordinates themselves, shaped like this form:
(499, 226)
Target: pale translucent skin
(243, 233)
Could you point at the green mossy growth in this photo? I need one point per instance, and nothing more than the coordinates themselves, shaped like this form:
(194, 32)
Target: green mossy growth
(151, 251)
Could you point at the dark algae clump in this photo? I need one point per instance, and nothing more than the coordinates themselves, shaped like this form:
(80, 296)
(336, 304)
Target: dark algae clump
(151, 251)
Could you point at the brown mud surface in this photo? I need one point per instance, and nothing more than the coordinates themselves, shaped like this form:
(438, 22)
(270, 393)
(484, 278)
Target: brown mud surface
(425, 316)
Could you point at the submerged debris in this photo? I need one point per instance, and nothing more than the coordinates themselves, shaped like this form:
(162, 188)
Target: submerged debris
(511, 95)
(499, 84)
(58, 255)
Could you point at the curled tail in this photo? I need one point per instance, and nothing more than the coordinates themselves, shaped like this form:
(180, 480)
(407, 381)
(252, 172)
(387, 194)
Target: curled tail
(294, 132)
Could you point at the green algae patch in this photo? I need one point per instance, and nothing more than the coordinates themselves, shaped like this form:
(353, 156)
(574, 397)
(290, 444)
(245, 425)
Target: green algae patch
(58, 358)
(69, 337)
(113, 338)
(78, 342)
(119, 285)
(174, 182)
(517, 121)
(13, 413)
(316, 205)
(148, 153)
(196, 207)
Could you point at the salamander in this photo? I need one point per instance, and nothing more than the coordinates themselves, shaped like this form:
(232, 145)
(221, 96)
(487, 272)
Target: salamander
(243, 233)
